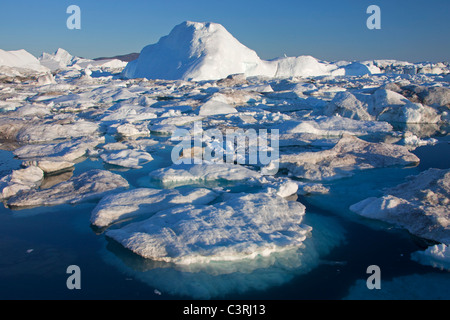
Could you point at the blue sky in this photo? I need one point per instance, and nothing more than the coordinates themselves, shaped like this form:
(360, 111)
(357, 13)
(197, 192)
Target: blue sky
(328, 29)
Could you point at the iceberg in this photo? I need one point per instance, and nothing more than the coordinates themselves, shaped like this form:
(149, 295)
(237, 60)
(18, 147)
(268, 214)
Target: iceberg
(348, 155)
(127, 158)
(207, 51)
(421, 205)
(145, 202)
(20, 180)
(184, 174)
(437, 256)
(242, 226)
(21, 59)
(88, 185)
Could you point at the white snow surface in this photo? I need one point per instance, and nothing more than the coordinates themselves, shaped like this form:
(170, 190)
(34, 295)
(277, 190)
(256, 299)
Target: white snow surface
(183, 174)
(144, 202)
(437, 256)
(21, 59)
(207, 51)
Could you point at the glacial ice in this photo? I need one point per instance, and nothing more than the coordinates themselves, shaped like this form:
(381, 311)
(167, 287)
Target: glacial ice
(334, 119)
(144, 202)
(127, 158)
(437, 256)
(20, 180)
(183, 174)
(92, 184)
(348, 155)
(421, 205)
(242, 226)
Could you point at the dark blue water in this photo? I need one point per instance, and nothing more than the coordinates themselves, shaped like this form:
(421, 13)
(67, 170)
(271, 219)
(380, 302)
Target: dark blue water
(37, 245)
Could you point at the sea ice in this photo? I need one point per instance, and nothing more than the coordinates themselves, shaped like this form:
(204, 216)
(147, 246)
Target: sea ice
(242, 226)
(348, 155)
(437, 256)
(183, 174)
(127, 158)
(88, 185)
(144, 202)
(421, 205)
(20, 180)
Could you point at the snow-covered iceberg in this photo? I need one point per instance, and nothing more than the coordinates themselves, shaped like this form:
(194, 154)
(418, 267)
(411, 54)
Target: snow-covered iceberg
(207, 51)
(21, 59)
(437, 256)
(61, 59)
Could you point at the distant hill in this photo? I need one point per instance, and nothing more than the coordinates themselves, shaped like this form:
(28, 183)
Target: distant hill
(125, 57)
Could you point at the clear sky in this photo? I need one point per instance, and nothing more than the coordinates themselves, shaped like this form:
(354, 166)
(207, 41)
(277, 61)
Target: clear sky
(412, 30)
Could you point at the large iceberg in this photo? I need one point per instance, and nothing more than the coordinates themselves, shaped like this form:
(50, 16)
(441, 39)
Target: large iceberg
(207, 51)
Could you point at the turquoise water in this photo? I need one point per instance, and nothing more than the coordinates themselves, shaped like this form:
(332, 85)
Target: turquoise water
(37, 245)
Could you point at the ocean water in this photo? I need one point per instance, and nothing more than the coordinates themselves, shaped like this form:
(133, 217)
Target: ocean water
(37, 245)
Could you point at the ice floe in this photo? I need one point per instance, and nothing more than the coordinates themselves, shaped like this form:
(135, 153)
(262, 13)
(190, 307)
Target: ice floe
(348, 155)
(421, 205)
(92, 184)
(183, 174)
(437, 256)
(145, 202)
(242, 226)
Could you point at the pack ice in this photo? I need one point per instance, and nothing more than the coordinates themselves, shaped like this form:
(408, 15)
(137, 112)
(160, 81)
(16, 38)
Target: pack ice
(241, 226)
(334, 119)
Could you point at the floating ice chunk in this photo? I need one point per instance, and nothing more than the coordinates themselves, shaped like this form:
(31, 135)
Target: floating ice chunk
(190, 173)
(50, 166)
(348, 155)
(334, 126)
(130, 130)
(20, 180)
(213, 107)
(243, 226)
(420, 205)
(46, 79)
(88, 185)
(42, 132)
(129, 113)
(127, 158)
(412, 141)
(21, 59)
(437, 256)
(67, 151)
(223, 278)
(410, 113)
(145, 202)
(347, 105)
